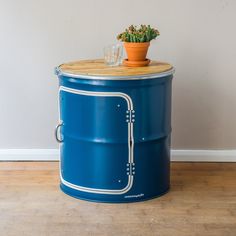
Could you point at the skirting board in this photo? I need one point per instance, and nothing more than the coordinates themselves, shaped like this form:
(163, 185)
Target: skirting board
(176, 155)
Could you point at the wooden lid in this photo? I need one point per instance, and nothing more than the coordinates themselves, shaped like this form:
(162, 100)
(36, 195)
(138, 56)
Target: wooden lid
(97, 68)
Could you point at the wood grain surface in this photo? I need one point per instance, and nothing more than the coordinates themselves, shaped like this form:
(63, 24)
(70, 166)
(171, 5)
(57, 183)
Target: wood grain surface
(98, 68)
(201, 202)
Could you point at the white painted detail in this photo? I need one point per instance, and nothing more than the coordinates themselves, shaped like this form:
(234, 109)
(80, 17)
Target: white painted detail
(176, 155)
(134, 196)
(130, 141)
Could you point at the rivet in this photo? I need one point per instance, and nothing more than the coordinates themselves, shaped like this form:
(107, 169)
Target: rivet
(133, 120)
(118, 105)
(133, 173)
(127, 169)
(133, 111)
(127, 120)
(127, 111)
(119, 180)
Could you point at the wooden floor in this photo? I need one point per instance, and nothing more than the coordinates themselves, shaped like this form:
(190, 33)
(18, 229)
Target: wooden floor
(202, 201)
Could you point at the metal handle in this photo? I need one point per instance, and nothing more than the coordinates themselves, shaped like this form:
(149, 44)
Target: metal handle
(59, 140)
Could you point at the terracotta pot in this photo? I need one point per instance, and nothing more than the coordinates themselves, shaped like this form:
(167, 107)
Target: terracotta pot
(136, 51)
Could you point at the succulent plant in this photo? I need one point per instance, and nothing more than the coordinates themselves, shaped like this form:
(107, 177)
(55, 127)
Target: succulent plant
(138, 35)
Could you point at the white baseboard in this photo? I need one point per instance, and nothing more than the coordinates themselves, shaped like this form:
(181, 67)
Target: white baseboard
(29, 154)
(203, 155)
(176, 155)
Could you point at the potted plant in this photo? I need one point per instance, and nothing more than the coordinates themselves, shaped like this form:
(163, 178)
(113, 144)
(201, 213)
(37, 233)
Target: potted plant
(136, 42)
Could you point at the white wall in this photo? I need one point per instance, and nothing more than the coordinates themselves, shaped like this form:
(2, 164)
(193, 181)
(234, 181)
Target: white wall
(197, 36)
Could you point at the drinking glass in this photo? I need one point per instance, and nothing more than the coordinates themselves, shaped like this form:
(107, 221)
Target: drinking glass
(113, 54)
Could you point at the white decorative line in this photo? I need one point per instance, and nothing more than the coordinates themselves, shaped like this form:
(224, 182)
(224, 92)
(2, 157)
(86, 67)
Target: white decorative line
(130, 142)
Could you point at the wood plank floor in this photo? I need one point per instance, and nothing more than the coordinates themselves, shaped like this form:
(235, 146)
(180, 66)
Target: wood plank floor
(202, 201)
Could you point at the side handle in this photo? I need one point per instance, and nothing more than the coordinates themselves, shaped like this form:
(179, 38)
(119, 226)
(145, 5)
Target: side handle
(58, 133)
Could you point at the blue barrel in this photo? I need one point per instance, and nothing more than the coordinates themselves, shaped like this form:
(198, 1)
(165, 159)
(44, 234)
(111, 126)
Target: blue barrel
(114, 134)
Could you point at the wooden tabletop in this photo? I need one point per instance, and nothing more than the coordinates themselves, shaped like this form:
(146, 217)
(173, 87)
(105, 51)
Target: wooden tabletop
(99, 68)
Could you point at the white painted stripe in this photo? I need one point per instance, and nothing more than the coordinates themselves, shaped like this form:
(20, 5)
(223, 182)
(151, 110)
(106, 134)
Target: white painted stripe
(130, 141)
(176, 155)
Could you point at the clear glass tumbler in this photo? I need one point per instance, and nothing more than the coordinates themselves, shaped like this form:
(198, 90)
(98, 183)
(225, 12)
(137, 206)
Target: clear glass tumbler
(113, 54)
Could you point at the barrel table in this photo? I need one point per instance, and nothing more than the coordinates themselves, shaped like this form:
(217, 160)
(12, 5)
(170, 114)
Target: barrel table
(114, 130)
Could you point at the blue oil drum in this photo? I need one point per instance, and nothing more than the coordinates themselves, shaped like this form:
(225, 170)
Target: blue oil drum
(114, 134)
